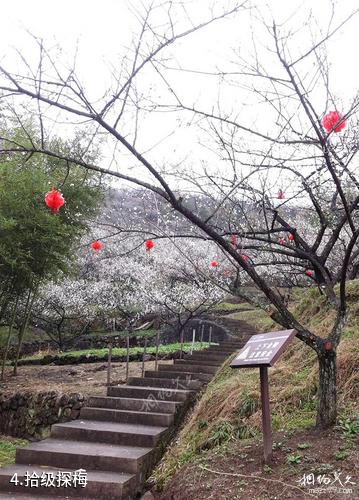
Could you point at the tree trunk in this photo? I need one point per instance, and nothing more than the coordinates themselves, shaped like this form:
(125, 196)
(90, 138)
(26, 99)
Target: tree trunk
(181, 332)
(7, 346)
(327, 395)
(24, 325)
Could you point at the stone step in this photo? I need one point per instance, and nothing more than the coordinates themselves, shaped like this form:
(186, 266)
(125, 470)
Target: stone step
(127, 416)
(165, 383)
(19, 496)
(224, 350)
(109, 432)
(235, 345)
(197, 362)
(85, 455)
(100, 484)
(183, 376)
(151, 393)
(210, 357)
(188, 367)
(132, 404)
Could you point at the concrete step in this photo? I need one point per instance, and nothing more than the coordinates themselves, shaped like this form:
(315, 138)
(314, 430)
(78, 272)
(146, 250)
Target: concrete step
(188, 367)
(224, 350)
(152, 394)
(166, 383)
(183, 376)
(100, 484)
(197, 362)
(219, 357)
(85, 455)
(132, 404)
(127, 416)
(235, 345)
(20, 496)
(109, 432)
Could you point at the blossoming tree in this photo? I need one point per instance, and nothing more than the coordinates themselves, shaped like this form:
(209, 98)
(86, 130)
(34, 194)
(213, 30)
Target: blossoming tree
(292, 139)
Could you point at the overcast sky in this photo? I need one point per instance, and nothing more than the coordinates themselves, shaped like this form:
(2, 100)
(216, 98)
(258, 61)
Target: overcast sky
(103, 29)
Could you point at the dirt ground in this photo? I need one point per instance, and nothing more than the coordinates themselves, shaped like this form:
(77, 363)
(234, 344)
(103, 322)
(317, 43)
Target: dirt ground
(238, 472)
(87, 379)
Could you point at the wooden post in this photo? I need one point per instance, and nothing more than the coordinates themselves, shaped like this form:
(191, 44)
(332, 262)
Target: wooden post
(266, 415)
(182, 339)
(127, 354)
(193, 339)
(156, 357)
(109, 357)
(210, 335)
(143, 357)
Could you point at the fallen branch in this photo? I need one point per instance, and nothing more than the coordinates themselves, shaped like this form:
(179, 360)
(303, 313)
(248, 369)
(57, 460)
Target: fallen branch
(255, 477)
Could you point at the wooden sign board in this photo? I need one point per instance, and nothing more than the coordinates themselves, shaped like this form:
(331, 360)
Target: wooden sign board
(263, 349)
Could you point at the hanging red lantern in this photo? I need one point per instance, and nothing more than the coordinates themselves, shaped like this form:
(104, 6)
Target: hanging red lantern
(280, 195)
(333, 121)
(281, 241)
(234, 240)
(291, 237)
(214, 263)
(96, 245)
(309, 273)
(54, 200)
(149, 245)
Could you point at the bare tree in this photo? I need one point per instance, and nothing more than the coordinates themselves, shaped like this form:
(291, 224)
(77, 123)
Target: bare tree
(287, 151)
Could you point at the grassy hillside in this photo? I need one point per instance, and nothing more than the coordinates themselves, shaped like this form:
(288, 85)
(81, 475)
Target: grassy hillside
(230, 408)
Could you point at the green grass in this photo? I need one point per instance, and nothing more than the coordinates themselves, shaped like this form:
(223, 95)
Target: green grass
(122, 333)
(7, 449)
(119, 351)
(228, 306)
(257, 318)
(225, 306)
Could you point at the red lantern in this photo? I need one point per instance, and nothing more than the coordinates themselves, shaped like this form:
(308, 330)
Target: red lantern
(333, 121)
(309, 273)
(234, 240)
(280, 195)
(214, 263)
(54, 200)
(149, 245)
(96, 245)
(291, 237)
(281, 241)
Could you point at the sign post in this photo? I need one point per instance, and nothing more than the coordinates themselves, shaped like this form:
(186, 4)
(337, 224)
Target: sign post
(262, 351)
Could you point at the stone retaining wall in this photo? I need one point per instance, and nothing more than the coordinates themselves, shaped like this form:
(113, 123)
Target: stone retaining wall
(30, 415)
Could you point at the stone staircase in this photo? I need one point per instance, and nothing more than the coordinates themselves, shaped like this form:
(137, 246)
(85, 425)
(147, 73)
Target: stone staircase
(118, 438)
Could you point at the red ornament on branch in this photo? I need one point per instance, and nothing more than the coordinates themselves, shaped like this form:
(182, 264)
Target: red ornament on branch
(96, 245)
(54, 200)
(328, 345)
(149, 245)
(280, 195)
(309, 273)
(291, 237)
(333, 121)
(214, 263)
